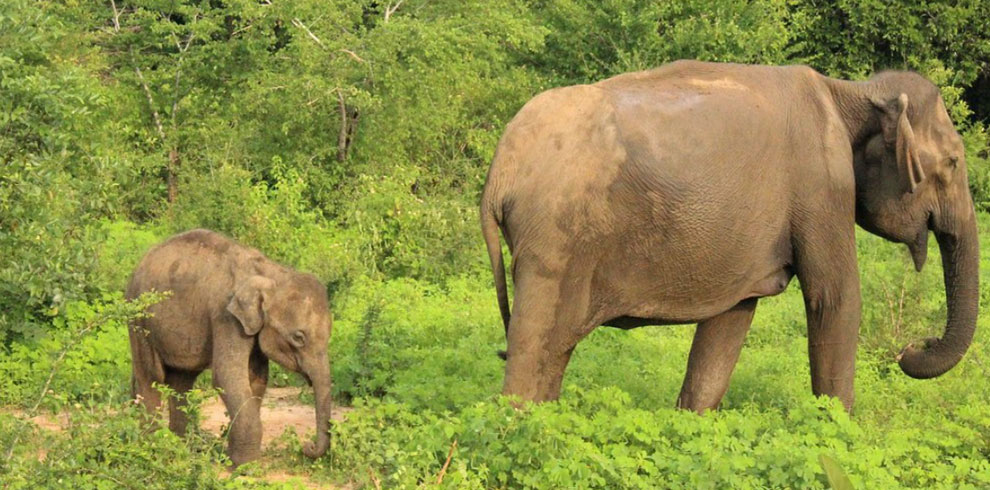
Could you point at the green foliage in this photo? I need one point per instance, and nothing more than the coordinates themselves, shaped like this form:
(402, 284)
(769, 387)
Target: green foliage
(84, 357)
(109, 446)
(837, 478)
(60, 168)
(350, 140)
(852, 37)
(635, 35)
(376, 352)
(595, 439)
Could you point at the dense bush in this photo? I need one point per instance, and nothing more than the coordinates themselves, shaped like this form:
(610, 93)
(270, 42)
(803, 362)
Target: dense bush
(364, 127)
(107, 446)
(594, 439)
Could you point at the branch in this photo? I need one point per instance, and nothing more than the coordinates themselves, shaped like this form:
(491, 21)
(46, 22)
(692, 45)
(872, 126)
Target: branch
(390, 9)
(352, 54)
(342, 134)
(443, 471)
(242, 29)
(178, 45)
(374, 479)
(177, 95)
(116, 16)
(151, 103)
(175, 90)
(298, 23)
(137, 70)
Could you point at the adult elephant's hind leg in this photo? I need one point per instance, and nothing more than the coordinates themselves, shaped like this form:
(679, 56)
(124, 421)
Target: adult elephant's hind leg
(540, 341)
(714, 352)
(535, 363)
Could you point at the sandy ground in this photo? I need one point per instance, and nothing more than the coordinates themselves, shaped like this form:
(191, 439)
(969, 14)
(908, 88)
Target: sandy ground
(281, 410)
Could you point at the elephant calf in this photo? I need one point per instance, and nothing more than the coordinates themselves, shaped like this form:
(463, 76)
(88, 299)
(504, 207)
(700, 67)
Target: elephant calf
(231, 310)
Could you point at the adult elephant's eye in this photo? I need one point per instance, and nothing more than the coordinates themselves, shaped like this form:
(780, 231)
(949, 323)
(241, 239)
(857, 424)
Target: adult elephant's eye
(298, 338)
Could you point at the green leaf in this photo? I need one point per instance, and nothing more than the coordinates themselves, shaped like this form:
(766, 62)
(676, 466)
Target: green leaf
(836, 477)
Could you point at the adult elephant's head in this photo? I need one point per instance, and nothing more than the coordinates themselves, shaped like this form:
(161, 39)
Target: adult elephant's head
(292, 322)
(911, 179)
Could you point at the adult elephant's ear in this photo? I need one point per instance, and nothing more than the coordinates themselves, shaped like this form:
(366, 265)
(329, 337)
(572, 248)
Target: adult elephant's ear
(248, 303)
(897, 133)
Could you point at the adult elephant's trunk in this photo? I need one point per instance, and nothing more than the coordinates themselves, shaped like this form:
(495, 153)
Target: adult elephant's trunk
(320, 377)
(960, 263)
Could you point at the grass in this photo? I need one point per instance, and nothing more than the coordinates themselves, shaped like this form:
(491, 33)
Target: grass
(417, 361)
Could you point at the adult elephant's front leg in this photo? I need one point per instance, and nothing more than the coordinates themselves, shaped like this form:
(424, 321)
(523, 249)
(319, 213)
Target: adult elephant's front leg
(833, 334)
(714, 352)
(830, 282)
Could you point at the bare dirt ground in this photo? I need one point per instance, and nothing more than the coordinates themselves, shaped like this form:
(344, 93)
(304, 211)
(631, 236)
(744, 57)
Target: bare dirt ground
(281, 410)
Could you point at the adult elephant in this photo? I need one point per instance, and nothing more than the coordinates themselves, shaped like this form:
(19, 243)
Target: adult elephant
(685, 193)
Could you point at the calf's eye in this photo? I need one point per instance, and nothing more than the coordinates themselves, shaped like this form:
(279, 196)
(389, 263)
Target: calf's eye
(298, 338)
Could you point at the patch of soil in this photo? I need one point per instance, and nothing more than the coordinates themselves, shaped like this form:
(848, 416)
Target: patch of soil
(297, 481)
(48, 421)
(280, 411)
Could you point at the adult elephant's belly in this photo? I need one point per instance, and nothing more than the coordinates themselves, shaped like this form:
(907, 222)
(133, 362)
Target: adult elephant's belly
(686, 259)
(663, 308)
(674, 263)
(668, 309)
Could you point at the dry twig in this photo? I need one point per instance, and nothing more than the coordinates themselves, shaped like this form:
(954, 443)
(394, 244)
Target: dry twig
(352, 55)
(298, 23)
(375, 480)
(390, 9)
(443, 470)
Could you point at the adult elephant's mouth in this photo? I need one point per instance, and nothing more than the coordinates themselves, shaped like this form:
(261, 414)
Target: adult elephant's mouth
(919, 247)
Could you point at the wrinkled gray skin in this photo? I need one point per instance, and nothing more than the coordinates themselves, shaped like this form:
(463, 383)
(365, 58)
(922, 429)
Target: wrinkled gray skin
(231, 310)
(685, 193)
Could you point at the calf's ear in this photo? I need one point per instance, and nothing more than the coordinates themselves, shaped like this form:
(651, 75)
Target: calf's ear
(248, 303)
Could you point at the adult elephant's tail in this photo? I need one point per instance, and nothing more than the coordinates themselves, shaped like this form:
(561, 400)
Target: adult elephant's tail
(490, 230)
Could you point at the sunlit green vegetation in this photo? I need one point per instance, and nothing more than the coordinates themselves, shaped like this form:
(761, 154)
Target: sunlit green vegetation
(350, 139)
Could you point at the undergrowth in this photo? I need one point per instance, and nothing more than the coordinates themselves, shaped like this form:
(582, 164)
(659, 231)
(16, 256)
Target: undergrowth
(417, 360)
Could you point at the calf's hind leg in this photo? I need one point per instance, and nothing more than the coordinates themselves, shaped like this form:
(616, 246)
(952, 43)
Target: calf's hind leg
(181, 382)
(258, 372)
(146, 369)
(714, 352)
